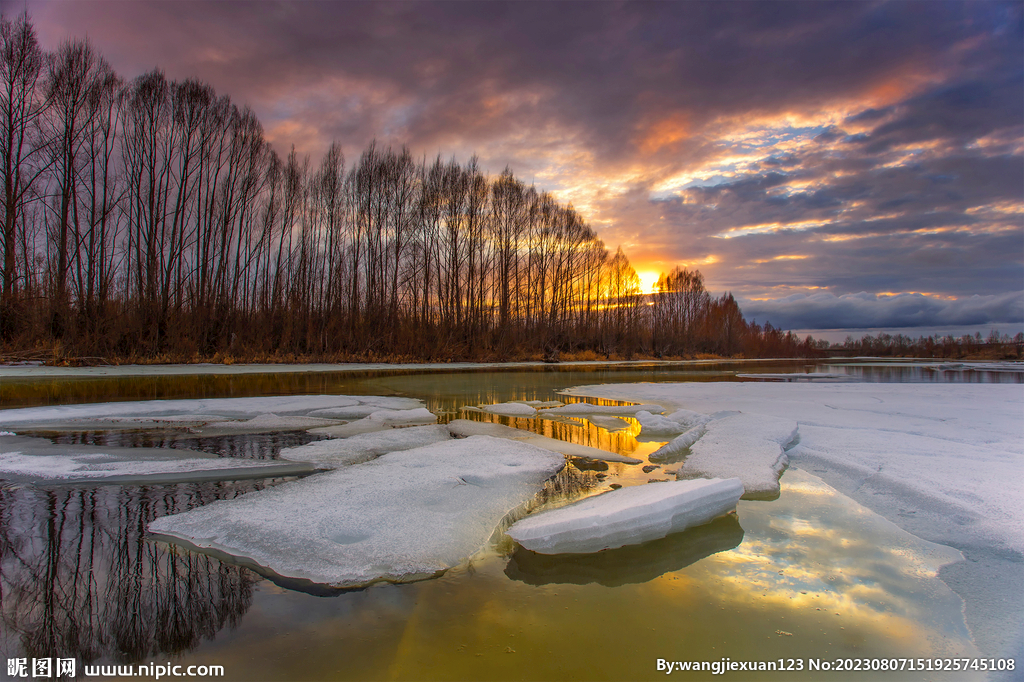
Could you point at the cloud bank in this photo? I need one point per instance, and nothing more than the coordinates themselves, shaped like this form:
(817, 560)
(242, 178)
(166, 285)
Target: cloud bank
(869, 311)
(781, 148)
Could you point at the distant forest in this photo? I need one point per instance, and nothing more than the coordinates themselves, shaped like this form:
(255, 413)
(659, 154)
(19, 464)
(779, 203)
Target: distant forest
(151, 221)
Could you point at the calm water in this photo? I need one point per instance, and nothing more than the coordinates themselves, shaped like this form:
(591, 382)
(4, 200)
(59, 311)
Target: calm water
(811, 574)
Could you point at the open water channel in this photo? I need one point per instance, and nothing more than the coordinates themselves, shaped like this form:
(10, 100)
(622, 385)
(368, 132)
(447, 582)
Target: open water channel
(812, 574)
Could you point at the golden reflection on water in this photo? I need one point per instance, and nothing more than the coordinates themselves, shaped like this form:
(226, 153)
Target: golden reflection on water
(856, 587)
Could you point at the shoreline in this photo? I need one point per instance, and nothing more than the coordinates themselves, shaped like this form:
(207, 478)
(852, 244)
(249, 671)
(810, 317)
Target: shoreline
(23, 370)
(31, 370)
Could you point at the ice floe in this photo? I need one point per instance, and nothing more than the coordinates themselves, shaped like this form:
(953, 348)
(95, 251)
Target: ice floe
(378, 420)
(510, 409)
(608, 423)
(688, 418)
(403, 516)
(261, 424)
(627, 516)
(655, 425)
(631, 564)
(366, 446)
(750, 447)
(24, 459)
(678, 446)
(945, 461)
(584, 409)
(198, 413)
(465, 427)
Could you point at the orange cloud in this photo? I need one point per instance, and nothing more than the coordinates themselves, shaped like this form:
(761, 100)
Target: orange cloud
(668, 132)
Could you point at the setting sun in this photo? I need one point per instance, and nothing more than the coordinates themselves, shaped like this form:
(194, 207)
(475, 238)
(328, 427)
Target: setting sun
(648, 280)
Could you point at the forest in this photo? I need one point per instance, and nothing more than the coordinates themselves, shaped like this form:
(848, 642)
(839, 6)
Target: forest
(150, 220)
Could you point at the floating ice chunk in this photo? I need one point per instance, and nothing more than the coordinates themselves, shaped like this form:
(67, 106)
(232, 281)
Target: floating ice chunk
(389, 402)
(345, 412)
(630, 564)
(748, 446)
(364, 406)
(263, 423)
(464, 427)
(627, 516)
(25, 459)
(678, 445)
(366, 446)
(403, 516)
(654, 425)
(365, 425)
(378, 420)
(688, 418)
(404, 417)
(608, 423)
(614, 410)
(171, 412)
(510, 409)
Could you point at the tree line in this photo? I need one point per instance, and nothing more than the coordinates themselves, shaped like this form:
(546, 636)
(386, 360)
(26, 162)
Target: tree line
(995, 346)
(151, 219)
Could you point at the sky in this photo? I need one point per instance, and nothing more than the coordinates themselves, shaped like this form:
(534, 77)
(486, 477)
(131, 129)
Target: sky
(832, 164)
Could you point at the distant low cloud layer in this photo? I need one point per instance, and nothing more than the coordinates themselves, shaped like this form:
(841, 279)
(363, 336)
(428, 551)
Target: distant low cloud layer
(868, 311)
(781, 148)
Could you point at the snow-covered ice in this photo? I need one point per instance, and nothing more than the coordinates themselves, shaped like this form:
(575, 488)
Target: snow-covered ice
(510, 409)
(608, 423)
(750, 447)
(24, 459)
(403, 516)
(945, 461)
(632, 564)
(366, 446)
(627, 516)
(261, 424)
(678, 446)
(378, 420)
(197, 413)
(465, 427)
(584, 409)
(655, 425)
(404, 417)
(729, 444)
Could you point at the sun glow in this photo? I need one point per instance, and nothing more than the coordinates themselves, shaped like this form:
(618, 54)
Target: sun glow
(648, 280)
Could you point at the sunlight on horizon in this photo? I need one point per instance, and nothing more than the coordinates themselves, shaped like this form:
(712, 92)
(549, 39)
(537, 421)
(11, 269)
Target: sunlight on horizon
(648, 280)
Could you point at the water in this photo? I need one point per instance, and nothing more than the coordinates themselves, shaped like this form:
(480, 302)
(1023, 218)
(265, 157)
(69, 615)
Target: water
(811, 574)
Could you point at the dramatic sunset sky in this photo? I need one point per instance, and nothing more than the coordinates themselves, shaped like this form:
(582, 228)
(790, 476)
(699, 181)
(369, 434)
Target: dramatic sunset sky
(833, 164)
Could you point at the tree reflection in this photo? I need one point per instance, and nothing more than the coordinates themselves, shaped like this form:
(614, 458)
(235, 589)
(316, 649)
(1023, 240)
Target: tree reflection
(78, 578)
(259, 446)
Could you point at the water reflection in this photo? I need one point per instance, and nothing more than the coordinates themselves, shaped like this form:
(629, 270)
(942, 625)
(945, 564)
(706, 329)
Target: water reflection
(468, 386)
(631, 564)
(475, 623)
(254, 446)
(579, 431)
(444, 390)
(79, 578)
(928, 372)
